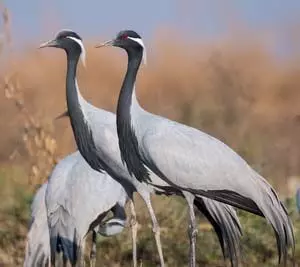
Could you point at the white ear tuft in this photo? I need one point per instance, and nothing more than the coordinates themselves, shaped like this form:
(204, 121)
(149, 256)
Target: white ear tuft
(141, 43)
(83, 52)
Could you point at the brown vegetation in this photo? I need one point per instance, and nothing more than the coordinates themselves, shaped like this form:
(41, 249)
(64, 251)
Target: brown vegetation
(243, 96)
(237, 91)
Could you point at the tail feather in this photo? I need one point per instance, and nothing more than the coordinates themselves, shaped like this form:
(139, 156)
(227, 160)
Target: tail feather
(36, 257)
(226, 224)
(63, 236)
(265, 202)
(277, 215)
(37, 251)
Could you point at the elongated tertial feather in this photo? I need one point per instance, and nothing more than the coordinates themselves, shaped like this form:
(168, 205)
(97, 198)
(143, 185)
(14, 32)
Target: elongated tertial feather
(226, 224)
(63, 234)
(268, 205)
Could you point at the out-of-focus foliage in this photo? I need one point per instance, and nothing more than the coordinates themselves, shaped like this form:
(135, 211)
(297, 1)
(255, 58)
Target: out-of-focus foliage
(258, 243)
(237, 91)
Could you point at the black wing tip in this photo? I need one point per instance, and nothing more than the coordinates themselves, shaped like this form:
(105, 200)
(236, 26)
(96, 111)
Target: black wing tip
(226, 226)
(285, 238)
(278, 217)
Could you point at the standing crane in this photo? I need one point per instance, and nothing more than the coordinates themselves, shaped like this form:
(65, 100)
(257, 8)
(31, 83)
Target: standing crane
(74, 201)
(37, 250)
(96, 137)
(188, 159)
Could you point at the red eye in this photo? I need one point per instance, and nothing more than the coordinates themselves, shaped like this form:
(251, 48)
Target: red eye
(124, 36)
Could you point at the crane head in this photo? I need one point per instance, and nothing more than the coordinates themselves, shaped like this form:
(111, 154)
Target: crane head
(128, 40)
(68, 40)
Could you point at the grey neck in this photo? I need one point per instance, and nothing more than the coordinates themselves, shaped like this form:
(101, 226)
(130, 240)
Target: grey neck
(128, 142)
(73, 94)
(76, 104)
(134, 62)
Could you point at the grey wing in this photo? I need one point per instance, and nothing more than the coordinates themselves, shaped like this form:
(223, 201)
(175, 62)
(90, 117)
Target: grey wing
(57, 182)
(37, 251)
(187, 157)
(38, 201)
(226, 225)
(61, 225)
(78, 197)
(196, 162)
(91, 194)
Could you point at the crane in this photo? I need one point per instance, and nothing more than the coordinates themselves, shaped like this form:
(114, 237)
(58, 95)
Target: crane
(96, 137)
(189, 159)
(74, 201)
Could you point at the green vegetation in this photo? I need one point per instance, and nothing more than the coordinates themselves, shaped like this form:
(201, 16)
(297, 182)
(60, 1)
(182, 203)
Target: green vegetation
(258, 242)
(235, 90)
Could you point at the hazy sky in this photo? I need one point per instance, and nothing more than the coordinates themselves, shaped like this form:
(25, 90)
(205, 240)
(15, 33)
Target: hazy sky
(34, 19)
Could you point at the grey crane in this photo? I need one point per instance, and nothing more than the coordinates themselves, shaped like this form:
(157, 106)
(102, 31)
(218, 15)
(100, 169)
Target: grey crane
(73, 202)
(37, 250)
(77, 200)
(96, 137)
(189, 159)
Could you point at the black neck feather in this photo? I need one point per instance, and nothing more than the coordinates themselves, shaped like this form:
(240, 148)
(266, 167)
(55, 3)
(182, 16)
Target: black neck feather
(128, 142)
(82, 133)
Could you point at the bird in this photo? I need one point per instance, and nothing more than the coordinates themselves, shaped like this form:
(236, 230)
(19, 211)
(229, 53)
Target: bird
(222, 217)
(96, 137)
(37, 250)
(187, 158)
(74, 201)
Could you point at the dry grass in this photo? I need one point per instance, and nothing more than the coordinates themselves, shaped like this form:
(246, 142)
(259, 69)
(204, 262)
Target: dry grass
(236, 90)
(244, 96)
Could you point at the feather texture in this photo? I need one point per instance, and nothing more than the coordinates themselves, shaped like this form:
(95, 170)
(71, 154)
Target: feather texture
(77, 200)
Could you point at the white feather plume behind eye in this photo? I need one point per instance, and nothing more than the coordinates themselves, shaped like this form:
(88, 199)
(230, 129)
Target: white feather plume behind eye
(83, 52)
(141, 43)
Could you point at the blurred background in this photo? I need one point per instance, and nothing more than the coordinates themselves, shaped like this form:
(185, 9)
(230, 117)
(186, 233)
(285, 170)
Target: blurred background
(230, 69)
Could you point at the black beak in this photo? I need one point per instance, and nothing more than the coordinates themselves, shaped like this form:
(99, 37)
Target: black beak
(107, 43)
(51, 43)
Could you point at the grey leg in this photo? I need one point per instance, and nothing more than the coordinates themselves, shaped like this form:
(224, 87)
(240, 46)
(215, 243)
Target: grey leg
(64, 261)
(192, 228)
(155, 226)
(134, 226)
(93, 249)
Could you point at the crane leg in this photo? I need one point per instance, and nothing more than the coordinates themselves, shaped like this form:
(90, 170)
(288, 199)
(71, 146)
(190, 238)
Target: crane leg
(93, 250)
(65, 262)
(155, 225)
(192, 228)
(134, 228)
